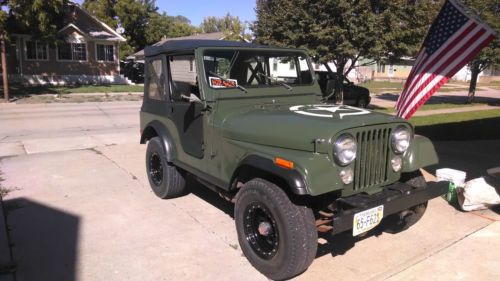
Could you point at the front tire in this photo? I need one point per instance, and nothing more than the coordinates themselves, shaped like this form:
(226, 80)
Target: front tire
(278, 237)
(166, 180)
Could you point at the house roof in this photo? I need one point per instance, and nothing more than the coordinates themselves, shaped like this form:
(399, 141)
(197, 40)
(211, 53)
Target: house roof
(201, 36)
(89, 25)
(191, 44)
(77, 19)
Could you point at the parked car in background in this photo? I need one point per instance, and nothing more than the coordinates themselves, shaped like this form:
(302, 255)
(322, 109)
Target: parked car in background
(353, 95)
(134, 71)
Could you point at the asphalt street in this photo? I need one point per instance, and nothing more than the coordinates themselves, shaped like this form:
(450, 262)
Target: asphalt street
(81, 209)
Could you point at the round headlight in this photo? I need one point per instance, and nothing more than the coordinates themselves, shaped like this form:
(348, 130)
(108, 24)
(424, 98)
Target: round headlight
(345, 148)
(400, 139)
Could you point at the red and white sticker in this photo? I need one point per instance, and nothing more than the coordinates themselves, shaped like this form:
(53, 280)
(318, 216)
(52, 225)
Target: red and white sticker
(216, 82)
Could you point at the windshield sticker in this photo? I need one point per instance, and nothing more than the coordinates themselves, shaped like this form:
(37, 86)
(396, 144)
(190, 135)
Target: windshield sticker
(328, 111)
(216, 82)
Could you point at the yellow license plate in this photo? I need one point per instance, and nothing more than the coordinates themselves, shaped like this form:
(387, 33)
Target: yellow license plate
(367, 220)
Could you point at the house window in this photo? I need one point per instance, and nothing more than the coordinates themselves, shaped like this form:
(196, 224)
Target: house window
(105, 52)
(72, 51)
(36, 50)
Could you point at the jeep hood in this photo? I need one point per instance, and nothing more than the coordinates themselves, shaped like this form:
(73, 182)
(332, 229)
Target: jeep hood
(296, 126)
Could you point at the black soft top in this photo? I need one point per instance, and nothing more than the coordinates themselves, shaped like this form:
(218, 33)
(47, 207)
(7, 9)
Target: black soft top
(191, 44)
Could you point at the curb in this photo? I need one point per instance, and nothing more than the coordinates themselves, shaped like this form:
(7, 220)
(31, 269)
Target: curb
(95, 94)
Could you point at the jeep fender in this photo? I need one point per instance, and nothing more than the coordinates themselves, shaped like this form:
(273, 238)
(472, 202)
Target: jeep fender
(164, 134)
(421, 153)
(293, 178)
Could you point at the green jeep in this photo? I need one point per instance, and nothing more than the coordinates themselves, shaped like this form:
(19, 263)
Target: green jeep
(248, 121)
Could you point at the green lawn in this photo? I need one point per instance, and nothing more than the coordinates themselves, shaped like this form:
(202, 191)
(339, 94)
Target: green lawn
(461, 126)
(434, 106)
(20, 91)
(105, 89)
(454, 117)
(379, 87)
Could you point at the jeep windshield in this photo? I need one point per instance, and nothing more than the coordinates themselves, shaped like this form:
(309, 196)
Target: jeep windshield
(256, 69)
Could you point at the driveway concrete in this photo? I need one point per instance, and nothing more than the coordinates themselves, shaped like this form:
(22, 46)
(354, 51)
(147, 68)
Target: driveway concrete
(83, 210)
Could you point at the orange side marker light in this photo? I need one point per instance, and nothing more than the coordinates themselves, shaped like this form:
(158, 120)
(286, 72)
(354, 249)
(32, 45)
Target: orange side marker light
(283, 163)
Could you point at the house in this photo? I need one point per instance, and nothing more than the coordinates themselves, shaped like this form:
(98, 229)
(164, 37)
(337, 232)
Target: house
(139, 56)
(88, 53)
(399, 72)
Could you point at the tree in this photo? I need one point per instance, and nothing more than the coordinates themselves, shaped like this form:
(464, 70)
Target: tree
(141, 21)
(163, 26)
(488, 11)
(104, 10)
(344, 31)
(231, 26)
(134, 17)
(40, 18)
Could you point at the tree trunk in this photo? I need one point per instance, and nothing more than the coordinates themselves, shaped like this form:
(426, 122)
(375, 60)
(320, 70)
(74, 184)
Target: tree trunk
(4, 69)
(473, 81)
(339, 84)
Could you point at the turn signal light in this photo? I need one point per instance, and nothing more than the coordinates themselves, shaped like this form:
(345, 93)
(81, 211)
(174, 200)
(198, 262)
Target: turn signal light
(283, 163)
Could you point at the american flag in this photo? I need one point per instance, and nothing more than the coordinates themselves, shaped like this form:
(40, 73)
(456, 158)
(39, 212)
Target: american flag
(453, 40)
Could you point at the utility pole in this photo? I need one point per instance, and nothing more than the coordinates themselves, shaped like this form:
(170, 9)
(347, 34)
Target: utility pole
(4, 69)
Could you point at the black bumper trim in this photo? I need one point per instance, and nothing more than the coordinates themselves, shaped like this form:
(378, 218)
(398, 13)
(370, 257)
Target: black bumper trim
(395, 198)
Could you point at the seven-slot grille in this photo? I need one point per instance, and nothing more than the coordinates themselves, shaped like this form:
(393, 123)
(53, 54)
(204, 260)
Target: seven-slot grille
(371, 166)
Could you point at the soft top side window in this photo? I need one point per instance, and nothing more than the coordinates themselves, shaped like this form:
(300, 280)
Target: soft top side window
(183, 79)
(156, 79)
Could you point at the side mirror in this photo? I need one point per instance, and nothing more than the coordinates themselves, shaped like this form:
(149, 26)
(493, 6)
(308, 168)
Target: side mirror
(192, 98)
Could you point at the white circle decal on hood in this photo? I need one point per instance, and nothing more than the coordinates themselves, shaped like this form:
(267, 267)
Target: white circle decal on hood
(328, 111)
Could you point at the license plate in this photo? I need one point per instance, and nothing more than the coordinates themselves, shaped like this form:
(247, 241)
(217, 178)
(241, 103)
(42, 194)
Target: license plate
(367, 220)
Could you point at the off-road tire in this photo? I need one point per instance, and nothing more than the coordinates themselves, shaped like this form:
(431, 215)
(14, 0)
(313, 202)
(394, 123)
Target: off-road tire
(296, 237)
(403, 220)
(166, 180)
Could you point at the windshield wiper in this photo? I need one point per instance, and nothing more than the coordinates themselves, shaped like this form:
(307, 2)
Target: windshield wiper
(228, 81)
(275, 80)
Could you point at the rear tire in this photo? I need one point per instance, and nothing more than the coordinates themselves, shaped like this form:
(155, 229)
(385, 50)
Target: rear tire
(405, 219)
(278, 237)
(166, 180)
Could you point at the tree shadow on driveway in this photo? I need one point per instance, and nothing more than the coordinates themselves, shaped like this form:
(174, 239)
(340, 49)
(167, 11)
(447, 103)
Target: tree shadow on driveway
(471, 146)
(210, 196)
(44, 240)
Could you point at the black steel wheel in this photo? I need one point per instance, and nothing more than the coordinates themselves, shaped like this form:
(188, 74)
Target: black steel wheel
(277, 237)
(155, 170)
(261, 230)
(166, 180)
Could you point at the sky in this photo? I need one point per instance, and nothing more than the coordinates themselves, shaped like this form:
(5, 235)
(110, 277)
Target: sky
(196, 10)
